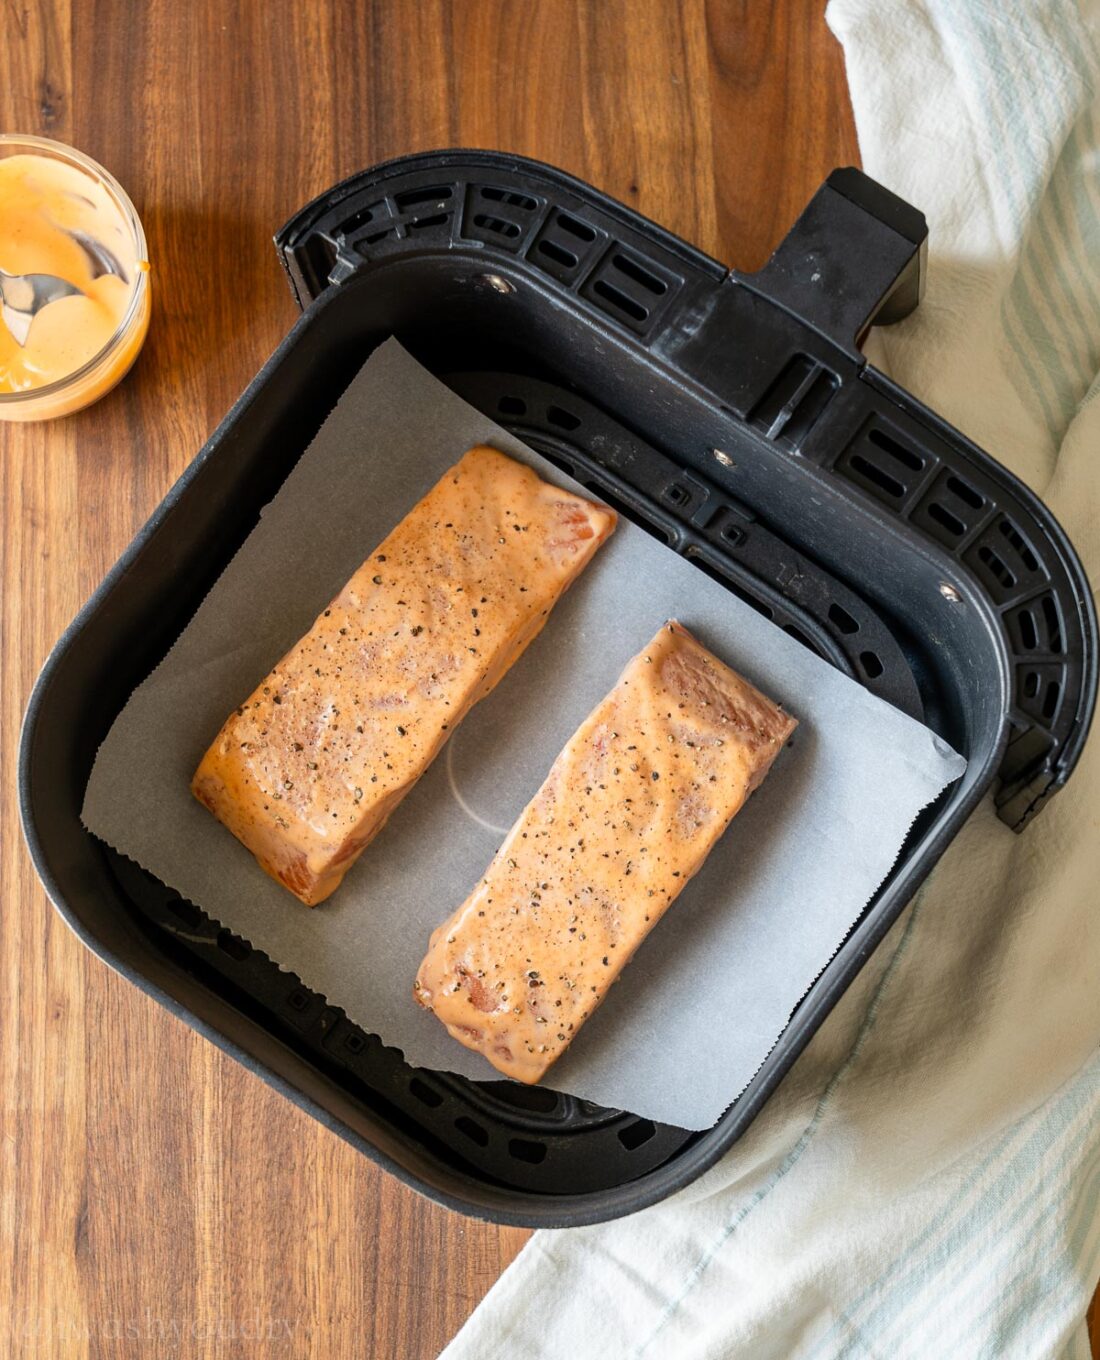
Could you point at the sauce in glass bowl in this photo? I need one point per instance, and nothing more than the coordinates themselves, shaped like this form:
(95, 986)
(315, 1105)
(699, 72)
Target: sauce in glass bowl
(62, 214)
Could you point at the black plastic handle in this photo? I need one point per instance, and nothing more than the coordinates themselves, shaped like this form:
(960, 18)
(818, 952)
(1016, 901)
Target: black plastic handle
(855, 258)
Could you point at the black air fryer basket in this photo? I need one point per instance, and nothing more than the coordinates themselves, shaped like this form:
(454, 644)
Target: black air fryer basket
(731, 415)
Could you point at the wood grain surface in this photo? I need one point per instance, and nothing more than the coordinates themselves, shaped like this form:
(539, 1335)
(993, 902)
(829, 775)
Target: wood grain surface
(156, 1199)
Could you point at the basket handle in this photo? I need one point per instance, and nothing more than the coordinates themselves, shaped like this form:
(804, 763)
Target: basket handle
(855, 258)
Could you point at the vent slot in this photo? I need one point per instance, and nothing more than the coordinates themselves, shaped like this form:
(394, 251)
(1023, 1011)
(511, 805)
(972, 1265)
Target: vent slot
(898, 452)
(357, 220)
(187, 912)
(557, 253)
(637, 1134)
(1005, 561)
(800, 637)
(422, 223)
(412, 198)
(534, 1099)
(564, 420)
(629, 287)
(581, 230)
(949, 509)
(566, 247)
(640, 275)
(497, 225)
(619, 299)
(472, 1130)
(1037, 626)
(1053, 621)
(887, 467)
(425, 1094)
(872, 666)
(1040, 690)
(1009, 531)
(498, 217)
(509, 196)
(965, 492)
(379, 214)
(566, 465)
(298, 1000)
(878, 478)
(996, 567)
(842, 620)
(940, 513)
(512, 406)
(232, 945)
(524, 1150)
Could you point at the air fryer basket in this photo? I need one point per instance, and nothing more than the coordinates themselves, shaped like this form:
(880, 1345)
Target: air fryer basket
(734, 417)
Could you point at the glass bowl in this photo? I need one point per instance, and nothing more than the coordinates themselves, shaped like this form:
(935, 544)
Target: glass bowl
(94, 378)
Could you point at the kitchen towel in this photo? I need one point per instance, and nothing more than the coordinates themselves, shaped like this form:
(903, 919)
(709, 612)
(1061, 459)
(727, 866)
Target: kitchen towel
(926, 1182)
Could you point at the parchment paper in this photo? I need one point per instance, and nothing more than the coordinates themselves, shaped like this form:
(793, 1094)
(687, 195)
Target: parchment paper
(705, 999)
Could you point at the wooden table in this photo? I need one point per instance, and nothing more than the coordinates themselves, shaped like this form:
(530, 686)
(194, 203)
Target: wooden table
(152, 1193)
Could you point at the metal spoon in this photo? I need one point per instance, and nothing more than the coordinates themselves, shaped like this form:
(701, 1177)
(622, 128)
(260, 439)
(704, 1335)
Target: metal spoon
(100, 260)
(22, 297)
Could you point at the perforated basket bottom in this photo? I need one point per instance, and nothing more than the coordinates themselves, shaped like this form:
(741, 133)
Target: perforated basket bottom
(529, 1138)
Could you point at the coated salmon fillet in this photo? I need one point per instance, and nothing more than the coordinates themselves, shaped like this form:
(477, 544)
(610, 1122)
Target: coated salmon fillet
(628, 813)
(306, 771)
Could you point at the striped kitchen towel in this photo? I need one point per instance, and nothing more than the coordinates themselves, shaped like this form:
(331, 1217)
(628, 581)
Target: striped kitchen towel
(926, 1183)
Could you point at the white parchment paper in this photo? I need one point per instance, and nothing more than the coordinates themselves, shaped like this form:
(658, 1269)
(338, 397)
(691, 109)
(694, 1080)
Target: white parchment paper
(708, 994)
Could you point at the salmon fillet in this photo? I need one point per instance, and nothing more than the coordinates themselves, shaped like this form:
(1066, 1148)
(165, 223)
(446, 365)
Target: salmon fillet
(306, 771)
(628, 813)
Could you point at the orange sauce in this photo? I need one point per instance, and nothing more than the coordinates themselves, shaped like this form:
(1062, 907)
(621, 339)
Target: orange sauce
(54, 219)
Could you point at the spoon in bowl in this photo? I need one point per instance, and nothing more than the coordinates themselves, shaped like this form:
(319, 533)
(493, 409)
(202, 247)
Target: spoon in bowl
(22, 297)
